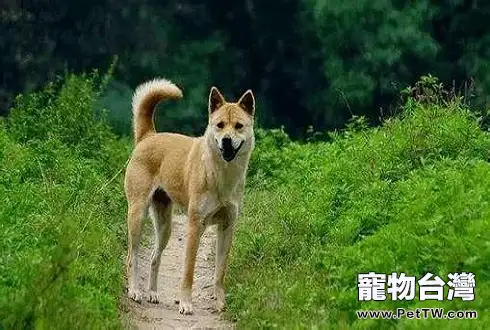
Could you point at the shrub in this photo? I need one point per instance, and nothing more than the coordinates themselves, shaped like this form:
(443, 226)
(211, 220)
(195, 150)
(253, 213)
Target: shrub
(410, 196)
(62, 215)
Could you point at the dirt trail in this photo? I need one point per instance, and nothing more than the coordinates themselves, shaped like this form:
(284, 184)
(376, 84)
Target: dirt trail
(166, 314)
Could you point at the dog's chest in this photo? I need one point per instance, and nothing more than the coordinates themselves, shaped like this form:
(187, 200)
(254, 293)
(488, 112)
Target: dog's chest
(223, 193)
(225, 188)
(211, 204)
(223, 183)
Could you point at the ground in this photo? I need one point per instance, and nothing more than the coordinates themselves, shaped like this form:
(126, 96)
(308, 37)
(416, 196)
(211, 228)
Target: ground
(165, 315)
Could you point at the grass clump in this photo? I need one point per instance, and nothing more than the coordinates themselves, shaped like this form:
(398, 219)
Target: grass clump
(62, 214)
(409, 196)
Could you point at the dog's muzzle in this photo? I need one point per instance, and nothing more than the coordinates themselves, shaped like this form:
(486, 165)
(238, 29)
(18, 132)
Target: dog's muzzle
(227, 151)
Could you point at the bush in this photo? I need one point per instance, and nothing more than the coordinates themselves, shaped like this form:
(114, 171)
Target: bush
(62, 215)
(410, 196)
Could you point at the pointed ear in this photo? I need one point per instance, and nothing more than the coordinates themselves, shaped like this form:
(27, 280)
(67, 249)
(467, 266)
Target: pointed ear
(216, 100)
(247, 102)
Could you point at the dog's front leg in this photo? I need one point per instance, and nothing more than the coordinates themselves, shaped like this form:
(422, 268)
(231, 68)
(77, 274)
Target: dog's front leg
(224, 233)
(194, 233)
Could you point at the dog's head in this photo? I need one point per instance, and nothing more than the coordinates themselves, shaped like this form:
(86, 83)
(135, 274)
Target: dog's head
(231, 123)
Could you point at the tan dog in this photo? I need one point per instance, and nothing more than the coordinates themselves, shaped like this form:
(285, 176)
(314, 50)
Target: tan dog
(205, 175)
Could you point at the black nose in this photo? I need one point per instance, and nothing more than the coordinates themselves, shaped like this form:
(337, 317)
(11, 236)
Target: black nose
(226, 142)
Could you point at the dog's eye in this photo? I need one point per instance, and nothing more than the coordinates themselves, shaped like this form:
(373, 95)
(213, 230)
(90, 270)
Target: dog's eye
(221, 124)
(238, 125)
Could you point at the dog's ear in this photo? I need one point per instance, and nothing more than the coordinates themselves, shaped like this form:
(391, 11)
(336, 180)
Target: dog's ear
(216, 100)
(247, 102)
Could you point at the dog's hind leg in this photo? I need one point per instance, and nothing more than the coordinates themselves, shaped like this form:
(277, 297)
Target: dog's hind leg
(138, 189)
(136, 212)
(161, 214)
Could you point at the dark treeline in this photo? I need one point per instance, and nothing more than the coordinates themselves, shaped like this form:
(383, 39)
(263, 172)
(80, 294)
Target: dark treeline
(310, 62)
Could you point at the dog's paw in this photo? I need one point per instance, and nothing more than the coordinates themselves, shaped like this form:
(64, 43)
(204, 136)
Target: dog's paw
(153, 297)
(134, 295)
(185, 308)
(219, 296)
(220, 306)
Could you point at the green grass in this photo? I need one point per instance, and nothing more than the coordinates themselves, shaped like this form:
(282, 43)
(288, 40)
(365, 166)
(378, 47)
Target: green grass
(411, 196)
(62, 228)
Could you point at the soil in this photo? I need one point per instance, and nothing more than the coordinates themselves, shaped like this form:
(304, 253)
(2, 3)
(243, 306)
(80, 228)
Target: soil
(165, 315)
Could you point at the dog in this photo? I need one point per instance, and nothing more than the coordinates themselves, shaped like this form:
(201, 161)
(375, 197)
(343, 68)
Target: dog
(203, 175)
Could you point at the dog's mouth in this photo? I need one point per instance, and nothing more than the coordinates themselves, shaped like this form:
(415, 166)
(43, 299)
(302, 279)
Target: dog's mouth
(228, 152)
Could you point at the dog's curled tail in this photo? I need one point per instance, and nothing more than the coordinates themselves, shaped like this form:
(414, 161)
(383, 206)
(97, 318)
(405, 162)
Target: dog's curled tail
(145, 99)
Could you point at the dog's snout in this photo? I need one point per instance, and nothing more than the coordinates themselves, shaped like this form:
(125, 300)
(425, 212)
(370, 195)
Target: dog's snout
(227, 143)
(228, 150)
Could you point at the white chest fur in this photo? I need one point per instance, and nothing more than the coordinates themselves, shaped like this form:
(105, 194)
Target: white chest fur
(225, 191)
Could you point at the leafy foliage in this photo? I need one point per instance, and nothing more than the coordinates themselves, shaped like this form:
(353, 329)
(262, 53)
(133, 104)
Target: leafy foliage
(61, 221)
(310, 62)
(410, 196)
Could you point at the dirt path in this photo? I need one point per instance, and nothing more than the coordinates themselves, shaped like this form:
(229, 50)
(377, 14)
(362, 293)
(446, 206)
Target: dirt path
(166, 314)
